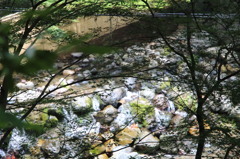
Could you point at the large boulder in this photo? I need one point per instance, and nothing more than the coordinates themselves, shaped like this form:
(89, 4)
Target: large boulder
(127, 135)
(162, 118)
(148, 93)
(82, 105)
(115, 96)
(143, 110)
(123, 118)
(97, 103)
(42, 118)
(49, 143)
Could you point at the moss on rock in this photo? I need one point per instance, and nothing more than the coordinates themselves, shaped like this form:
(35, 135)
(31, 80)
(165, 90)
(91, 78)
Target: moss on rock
(185, 100)
(142, 108)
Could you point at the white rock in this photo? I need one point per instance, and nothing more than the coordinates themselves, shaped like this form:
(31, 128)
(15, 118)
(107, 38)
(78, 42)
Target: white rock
(96, 103)
(2, 153)
(148, 93)
(116, 95)
(86, 73)
(162, 118)
(68, 72)
(110, 110)
(86, 60)
(82, 104)
(124, 153)
(77, 54)
(181, 113)
(21, 85)
(130, 82)
(124, 117)
(25, 85)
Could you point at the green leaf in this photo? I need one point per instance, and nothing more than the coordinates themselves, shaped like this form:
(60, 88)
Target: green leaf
(8, 120)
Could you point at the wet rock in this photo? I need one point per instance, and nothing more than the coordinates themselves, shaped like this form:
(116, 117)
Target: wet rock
(82, 105)
(107, 115)
(146, 142)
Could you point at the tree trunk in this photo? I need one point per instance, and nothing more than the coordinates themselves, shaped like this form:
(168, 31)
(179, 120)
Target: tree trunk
(228, 151)
(4, 50)
(7, 80)
(202, 135)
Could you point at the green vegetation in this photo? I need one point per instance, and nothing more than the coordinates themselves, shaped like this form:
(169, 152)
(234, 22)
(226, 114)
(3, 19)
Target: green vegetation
(184, 101)
(143, 109)
(165, 85)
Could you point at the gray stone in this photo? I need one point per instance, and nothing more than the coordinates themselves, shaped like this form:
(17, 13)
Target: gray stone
(116, 95)
(107, 115)
(82, 105)
(146, 142)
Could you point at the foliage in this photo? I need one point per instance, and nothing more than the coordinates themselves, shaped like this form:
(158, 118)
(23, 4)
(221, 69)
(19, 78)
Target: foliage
(142, 109)
(8, 120)
(186, 101)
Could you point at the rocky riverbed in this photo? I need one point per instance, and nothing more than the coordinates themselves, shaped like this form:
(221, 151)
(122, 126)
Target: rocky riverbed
(119, 106)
